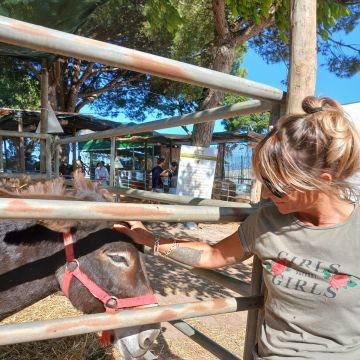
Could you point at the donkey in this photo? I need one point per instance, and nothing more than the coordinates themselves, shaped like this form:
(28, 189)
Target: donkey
(34, 264)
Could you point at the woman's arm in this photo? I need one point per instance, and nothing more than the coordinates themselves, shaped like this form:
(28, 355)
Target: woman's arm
(197, 254)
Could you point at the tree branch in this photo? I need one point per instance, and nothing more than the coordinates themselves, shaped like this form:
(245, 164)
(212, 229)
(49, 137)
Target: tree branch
(86, 74)
(220, 22)
(252, 30)
(109, 86)
(33, 70)
(340, 43)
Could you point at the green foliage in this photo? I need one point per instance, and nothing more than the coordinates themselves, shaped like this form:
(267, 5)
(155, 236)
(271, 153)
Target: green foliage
(17, 89)
(161, 13)
(333, 17)
(252, 122)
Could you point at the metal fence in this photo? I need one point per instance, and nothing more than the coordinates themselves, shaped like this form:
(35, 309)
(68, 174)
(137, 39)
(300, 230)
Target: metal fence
(51, 41)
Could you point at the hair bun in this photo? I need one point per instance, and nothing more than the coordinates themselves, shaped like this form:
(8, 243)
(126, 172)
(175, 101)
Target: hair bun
(313, 104)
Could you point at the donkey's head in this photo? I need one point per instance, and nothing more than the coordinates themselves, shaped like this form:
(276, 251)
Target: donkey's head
(112, 262)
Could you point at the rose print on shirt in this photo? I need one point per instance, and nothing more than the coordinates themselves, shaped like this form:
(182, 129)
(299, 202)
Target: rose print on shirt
(277, 267)
(338, 281)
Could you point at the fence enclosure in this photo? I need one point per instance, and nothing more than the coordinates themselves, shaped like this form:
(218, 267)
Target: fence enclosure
(36, 37)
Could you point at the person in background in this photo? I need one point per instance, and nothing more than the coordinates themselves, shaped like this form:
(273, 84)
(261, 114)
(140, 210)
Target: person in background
(65, 169)
(172, 174)
(307, 238)
(157, 182)
(79, 167)
(101, 173)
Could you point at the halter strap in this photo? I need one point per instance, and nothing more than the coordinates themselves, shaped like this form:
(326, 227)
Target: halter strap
(111, 303)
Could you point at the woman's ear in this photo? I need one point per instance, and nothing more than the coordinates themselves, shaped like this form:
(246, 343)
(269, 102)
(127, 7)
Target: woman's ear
(326, 177)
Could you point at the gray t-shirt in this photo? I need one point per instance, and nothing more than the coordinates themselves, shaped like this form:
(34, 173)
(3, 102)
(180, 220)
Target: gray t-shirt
(312, 280)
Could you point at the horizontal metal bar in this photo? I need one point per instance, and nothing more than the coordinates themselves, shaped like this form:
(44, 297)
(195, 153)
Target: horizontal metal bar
(7, 133)
(36, 176)
(204, 341)
(223, 112)
(50, 329)
(44, 39)
(17, 208)
(174, 199)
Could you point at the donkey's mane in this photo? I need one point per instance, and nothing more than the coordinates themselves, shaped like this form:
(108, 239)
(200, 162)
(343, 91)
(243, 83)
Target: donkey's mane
(54, 189)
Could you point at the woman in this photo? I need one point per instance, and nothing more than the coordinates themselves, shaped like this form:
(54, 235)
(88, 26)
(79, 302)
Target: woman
(172, 174)
(308, 238)
(101, 174)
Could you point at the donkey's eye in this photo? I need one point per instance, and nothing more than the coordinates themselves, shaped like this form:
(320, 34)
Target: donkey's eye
(118, 260)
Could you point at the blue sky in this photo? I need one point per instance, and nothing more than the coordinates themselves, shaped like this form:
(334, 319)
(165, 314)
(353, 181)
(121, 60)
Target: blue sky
(327, 84)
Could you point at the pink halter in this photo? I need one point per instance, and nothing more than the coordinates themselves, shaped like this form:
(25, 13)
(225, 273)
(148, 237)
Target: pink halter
(111, 303)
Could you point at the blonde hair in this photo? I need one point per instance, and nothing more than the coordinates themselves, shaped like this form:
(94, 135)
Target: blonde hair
(301, 147)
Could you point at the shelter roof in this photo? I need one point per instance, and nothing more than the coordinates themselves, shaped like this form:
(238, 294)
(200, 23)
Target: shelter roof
(154, 138)
(70, 122)
(63, 15)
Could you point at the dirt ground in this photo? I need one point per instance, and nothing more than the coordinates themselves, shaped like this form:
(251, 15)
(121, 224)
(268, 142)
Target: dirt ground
(172, 284)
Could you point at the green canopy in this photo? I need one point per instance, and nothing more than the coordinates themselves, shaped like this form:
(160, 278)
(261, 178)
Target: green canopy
(104, 145)
(63, 15)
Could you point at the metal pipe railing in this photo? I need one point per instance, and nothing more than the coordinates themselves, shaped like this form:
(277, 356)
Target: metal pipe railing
(223, 112)
(50, 329)
(37, 37)
(20, 208)
(8, 133)
(204, 341)
(252, 325)
(174, 199)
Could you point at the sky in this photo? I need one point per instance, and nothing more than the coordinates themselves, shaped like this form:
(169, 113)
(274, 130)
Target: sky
(327, 84)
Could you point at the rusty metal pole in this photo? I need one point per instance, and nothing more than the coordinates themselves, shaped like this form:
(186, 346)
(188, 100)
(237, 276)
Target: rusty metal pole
(222, 112)
(112, 161)
(44, 112)
(252, 326)
(21, 143)
(52, 41)
(57, 157)
(51, 329)
(1, 155)
(22, 208)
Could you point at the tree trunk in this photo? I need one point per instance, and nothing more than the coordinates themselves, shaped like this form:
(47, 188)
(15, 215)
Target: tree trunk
(202, 133)
(220, 162)
(223, 52)
(57, 85)
(303, 52)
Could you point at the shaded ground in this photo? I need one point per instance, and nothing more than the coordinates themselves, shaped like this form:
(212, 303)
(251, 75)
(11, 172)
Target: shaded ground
(172, 285)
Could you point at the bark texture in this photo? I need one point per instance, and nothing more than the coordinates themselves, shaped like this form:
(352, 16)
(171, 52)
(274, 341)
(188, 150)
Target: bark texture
(303, 53)
(226, 41)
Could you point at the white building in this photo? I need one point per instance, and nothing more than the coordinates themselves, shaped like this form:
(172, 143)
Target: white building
(353, 110)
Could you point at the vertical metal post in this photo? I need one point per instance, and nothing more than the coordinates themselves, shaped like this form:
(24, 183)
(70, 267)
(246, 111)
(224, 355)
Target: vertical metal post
(112, 161)
(44, 112)
(48, 157)
(5, 151)
(73, 150)
(146, 163)
(57, 158)
(21, 143)
(1, 155)
(170, 155)
(253, 315)
(153, 155)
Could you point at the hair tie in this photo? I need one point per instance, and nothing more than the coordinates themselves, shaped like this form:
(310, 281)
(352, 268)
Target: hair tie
(315, 110)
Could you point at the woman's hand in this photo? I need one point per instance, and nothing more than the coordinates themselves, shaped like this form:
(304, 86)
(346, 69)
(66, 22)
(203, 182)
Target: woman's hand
(136, 231)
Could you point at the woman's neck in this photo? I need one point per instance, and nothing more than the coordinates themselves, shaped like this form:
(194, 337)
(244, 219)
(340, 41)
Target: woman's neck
(326, 211)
